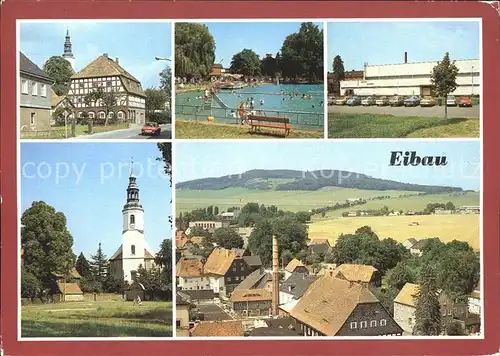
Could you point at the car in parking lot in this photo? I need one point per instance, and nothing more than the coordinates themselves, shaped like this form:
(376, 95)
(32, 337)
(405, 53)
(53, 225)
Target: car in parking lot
(412, 101)
(396, 100)
(465, 101)
(451, 100)
(340, 101)
(428, 101)
(368, 101)
(382, 101)
(354, 101)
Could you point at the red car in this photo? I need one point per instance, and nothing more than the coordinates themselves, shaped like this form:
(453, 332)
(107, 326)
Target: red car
(464, 101)
(151, 128)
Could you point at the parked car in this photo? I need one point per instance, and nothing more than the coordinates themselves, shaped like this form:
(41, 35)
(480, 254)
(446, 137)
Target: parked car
(396, 100)
(428, 101)
(382, 101)
(412, 101)
(354, 101)
(368, 101)
(464, 101)
(151, 128)
(451, 100)
(341, 101)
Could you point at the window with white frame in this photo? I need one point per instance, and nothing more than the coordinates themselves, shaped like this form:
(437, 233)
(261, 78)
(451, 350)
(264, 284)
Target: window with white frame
(24, 86)
(373, 323)
(91, 115)
(111, 115)
(120, 114)
(354, 325)
(34, 88)
(102, 115)
(383, 322)
(43, 90)
(363, 324)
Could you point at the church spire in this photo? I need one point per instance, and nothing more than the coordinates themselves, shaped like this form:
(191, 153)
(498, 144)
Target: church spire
(133, 201)
(68, 51)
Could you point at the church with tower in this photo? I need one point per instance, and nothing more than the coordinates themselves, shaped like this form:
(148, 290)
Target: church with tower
(68, 51)
(134, 250)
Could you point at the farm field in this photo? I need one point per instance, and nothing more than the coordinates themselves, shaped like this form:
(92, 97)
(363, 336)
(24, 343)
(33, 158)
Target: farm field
(296, 200)
(97, 319)
(446, 227)
(409, 203)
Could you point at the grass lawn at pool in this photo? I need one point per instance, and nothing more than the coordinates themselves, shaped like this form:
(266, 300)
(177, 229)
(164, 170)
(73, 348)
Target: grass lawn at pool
(97, 319)
(200, 129)
(60, 131)
(389, 126)
(446, 227)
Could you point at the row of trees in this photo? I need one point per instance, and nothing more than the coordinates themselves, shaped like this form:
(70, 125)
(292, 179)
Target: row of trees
(301, 55)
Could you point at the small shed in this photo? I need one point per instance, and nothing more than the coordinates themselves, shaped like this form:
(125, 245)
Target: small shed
(135, 290)
(68, 292)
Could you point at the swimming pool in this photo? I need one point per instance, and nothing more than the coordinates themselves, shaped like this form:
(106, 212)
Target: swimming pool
(301, 103)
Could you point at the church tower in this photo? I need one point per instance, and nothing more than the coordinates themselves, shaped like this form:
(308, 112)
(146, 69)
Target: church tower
(68, 52)
(133, 243)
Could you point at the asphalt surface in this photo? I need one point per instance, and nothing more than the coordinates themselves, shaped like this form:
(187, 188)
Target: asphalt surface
(213, 312)
(131, 133)
(435, 111)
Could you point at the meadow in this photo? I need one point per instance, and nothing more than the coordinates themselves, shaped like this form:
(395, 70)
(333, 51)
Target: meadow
(97, 319)
(298, 200)
(446, 227)
(294, 200)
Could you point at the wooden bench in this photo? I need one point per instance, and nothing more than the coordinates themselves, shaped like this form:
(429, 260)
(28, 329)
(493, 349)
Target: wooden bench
(257, 122)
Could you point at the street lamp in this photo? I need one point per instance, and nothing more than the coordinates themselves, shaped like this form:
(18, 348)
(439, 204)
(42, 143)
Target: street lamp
(163, 59)
(472, 81)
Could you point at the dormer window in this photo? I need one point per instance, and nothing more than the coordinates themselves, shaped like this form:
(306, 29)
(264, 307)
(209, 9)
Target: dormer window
(132, 250)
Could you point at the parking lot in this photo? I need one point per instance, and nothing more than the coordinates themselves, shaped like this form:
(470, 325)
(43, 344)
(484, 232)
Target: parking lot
(213, 312)
(435, 111)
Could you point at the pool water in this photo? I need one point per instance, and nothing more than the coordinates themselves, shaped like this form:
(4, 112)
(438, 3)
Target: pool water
(301, 103)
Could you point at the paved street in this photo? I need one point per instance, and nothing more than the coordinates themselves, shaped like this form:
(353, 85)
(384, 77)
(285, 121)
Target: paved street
(131, 133)
(435, 111)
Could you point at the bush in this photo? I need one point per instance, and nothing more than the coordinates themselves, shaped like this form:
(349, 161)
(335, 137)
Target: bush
(164, 117)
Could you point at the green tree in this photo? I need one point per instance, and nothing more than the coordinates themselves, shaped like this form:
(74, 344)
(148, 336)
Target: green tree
(303, 217)
(163, 260)
(245, 62)
(60, 70)
(83, 266)
(386, 296)
(99, 265)
(302, 53)
(165, 149)
(227, 238)
(399, 276)
(46, 242)
(194, 50)
(269, 66)
(108, 100)
(458, 273)
(31, 286)
(427, 307)
(155, 100)
(338, 68)
(455, 328)
(444, 79)
(113, 284)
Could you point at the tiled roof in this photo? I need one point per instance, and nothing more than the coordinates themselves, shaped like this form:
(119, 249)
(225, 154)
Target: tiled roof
(420, 244)
(118, 254)
(250, 295)
(180, 239)
(326, 268)
(268, 331)
(412, 241)
(220, 260)
(199, 294)
(218, 328)
(69, 288)
(253, 261)
(293, 264)
(319, 248)
(73, 273)
(103, 66)
(55, 99)
(189, 268)
(328, 303)
(298, 283)
(408, 294)
(355, 273)
(28, 67)
(196, 239)
(256, 279)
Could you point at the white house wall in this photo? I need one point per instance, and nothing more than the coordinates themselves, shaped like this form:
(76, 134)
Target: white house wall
(406, 79)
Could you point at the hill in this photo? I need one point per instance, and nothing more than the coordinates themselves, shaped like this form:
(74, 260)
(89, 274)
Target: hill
(292, 180)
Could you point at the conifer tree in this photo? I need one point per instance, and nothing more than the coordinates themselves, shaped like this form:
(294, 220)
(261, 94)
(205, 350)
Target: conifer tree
(428, 309)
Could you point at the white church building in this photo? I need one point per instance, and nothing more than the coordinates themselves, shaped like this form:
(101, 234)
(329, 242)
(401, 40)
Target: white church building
(411, 78)
(134, 250)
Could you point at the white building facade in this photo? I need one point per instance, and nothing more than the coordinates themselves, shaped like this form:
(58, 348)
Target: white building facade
(408, 79)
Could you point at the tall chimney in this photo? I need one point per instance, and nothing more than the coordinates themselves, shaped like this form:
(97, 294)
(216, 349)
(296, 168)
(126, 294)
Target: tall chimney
(406, 57)
(276, 285)
(117, 60)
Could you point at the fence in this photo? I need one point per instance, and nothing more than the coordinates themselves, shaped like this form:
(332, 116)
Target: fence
(301, 120)
(45, 134)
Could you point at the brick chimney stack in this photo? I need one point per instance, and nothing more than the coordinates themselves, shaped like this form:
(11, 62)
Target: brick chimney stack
(406, 57)
(117, 60)
(276, 277)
